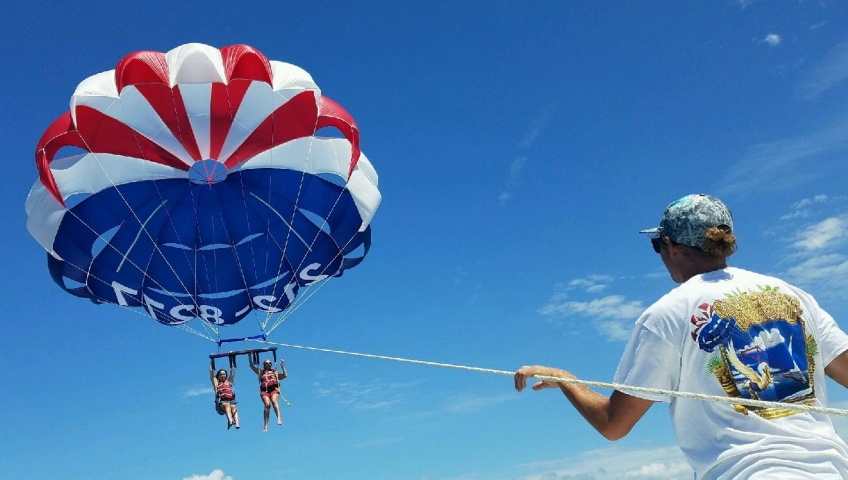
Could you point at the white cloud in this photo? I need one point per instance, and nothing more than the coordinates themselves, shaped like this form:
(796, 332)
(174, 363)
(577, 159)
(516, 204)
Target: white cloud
(800, 209)
(514, 179)
(816, 255)
(592, 283)
(613, 315)
(779, 164)
(216, 474)
(825, 275)
(527, 140)
(532, 133)
(612, 462)
(374, 395)
(611, 306)
(772, 39)
(823, 234)
(661, 470)
(830, 72)
(469, 403)
(198, 391)
(615, 330)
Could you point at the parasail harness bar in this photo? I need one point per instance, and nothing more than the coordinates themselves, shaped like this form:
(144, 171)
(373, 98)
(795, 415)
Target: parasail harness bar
(252, 353)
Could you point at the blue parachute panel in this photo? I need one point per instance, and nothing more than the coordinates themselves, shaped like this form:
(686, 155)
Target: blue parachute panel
(216, 251)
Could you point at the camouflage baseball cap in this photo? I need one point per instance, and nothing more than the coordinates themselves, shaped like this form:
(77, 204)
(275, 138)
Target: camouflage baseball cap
(686, 221)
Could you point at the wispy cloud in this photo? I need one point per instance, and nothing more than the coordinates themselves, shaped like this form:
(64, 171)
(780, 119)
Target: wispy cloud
(612, 462)
(820, 235)
(373, 395)
(532, 133)
(612, 306)
(216, 474)
(802, 209)
(613, 314)
(592, 283)
(518, 164)
(478, 295)
(470, 403)
(778, 164)
(830, 72)
(826, 275)
(772, 39)
(816, 250)
(198, 391)
(513, 181)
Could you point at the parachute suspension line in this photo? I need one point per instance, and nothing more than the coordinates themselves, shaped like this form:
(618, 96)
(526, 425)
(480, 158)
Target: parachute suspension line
(299, 301)
(173, 225)
(137, 312)
(609, 385)
(283, 258)
(239, 265)
(256, 315)
(109, 244)
(126, 254)
(308, 294)
(207, 325)
(247, 221)
(186, 328)
(309, 288)
(141, 224)
(311, 291)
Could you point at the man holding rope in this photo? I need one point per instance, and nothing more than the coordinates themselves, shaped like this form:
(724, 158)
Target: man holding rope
(725, 332)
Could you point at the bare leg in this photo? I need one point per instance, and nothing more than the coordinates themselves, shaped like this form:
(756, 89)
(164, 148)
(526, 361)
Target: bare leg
(274, 398)
(229, 409)
(235, 416)
(267, 402)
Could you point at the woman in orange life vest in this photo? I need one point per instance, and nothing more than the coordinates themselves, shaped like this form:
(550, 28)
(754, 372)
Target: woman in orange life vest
(269, 388)
(225, 396)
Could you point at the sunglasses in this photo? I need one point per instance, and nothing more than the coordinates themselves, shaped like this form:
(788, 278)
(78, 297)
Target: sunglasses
(657, 243)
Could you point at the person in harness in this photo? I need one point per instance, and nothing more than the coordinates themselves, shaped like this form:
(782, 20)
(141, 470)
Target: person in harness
(225, 396)
(269, 388)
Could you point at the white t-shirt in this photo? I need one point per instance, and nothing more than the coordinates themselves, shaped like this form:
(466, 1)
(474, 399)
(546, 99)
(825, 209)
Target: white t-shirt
(741, 334)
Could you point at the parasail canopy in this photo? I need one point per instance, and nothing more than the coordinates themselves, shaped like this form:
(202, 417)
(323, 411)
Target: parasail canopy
(197, 186)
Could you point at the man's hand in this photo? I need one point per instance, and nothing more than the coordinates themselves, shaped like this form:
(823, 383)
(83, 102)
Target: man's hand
(526, 372)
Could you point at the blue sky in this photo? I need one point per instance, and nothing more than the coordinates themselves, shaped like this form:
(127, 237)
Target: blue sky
(520, 147)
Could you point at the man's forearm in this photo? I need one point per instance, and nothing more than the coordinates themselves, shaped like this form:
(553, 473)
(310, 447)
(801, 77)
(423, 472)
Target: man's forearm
(593, 406)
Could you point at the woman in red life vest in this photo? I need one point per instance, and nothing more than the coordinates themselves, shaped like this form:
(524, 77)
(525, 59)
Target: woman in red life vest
(225, 396)
(269, 388)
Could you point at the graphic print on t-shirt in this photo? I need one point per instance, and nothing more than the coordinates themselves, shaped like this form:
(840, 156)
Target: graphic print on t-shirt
(760, 349)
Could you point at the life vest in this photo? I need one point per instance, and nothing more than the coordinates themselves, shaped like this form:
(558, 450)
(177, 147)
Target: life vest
(225, 391)
(268, 380)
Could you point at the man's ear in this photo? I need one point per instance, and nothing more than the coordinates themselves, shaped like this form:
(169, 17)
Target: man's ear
(673, 249)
